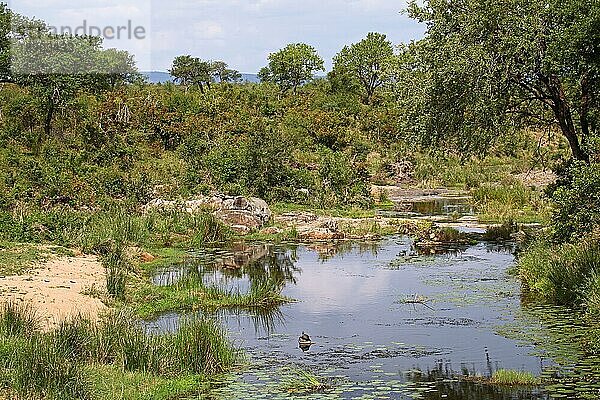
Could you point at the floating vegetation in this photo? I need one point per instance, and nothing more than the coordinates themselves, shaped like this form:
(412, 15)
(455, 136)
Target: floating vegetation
(302, 381)
(514, 378)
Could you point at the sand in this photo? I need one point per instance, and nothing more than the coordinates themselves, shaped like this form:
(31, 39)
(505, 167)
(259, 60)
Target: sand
(55, 288)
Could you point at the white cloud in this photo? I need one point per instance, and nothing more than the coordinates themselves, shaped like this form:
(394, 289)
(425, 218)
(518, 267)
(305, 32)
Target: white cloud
(240, 32)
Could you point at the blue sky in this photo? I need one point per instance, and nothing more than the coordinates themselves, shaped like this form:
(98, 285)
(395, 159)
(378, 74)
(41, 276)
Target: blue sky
(240, 32)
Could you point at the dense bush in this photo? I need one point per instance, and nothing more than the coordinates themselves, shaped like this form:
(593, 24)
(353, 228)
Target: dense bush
(577, 199)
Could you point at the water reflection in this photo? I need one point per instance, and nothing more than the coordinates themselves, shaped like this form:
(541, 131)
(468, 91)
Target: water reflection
(348, 300)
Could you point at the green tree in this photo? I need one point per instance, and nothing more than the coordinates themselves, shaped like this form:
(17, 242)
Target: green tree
(57, 67)
(366, 61)
(495, 63)
(222, 73)
(292, 66)
(188, 71)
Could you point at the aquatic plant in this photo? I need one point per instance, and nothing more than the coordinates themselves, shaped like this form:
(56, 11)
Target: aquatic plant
(514, 378)
(200, 346)
(564, 274)
(301, 381)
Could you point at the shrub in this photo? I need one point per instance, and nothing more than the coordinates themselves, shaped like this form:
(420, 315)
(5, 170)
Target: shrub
(577, 200)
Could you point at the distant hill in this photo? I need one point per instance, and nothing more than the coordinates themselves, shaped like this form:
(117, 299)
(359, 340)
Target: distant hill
(163, 77)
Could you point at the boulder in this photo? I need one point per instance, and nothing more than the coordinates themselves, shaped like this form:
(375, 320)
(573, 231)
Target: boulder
(242, 214)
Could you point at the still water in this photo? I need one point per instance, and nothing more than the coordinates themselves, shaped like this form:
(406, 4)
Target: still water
(385, 322)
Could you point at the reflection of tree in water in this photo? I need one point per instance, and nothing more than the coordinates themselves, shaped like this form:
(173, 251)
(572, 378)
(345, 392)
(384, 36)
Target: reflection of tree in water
(259, 263)
(265, 320)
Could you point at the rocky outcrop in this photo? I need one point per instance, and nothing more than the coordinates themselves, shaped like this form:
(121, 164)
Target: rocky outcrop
(243, 214)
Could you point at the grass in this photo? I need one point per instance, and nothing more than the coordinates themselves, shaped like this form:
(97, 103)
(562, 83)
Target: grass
(116, 265)
(111, 383)
(149, 300)
(68, 362)
(505, 377)
(564, 274)
(17, 258)
(502, 232)
(18, 319)
(300, 381)
(510, 201)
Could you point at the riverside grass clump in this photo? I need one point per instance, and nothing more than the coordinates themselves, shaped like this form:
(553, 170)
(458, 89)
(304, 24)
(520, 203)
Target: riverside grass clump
(565, 274)
(18, 319)
(506, 377)
(302, 382)
(510, 201)
(190, 293)
(57, 364)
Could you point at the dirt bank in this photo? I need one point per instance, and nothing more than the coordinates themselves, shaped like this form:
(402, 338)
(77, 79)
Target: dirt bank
(55, 288)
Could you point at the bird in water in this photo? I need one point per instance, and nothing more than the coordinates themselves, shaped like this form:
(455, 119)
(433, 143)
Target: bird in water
(304, 339)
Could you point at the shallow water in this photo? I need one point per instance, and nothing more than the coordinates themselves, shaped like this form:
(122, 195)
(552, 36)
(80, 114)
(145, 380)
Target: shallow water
(357, 303)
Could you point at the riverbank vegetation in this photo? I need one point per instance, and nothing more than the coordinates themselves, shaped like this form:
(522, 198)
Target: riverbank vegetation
(57, 364)
(492, 94)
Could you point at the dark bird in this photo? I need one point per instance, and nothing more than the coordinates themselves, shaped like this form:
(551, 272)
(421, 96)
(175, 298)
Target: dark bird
(304, 339)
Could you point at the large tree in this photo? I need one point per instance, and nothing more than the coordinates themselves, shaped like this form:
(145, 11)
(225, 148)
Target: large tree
(496, 62)
(366, 61)
(292, 66)
(222, 73)
(188, 70)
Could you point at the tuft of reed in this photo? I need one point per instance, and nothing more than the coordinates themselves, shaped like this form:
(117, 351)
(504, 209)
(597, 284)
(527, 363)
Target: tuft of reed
(116, 264)
(563, 274)
(505, 377)
(200, 346)
(18, 319)
(300, 381)
(502, 232)
(38, 369)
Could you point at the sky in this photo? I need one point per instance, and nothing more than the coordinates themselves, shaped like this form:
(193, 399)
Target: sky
(240, 32)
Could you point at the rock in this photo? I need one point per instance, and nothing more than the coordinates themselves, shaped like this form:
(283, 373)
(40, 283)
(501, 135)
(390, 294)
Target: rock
(320, 234)
(242, 214)
(271, 230)
(147, 257)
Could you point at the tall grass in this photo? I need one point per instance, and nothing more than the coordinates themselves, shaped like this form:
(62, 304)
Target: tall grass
(300, 381)
(514, 378)
(18, 319)
(39, 368)
(94, 231)
(565, 274)
(510, 200)
(49, 365)
(116, 265)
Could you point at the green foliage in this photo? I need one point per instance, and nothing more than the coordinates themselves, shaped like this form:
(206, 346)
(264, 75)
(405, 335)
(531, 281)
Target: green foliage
(18, 319)
(55, 365)
(490, 65)
(509, 201)
(577, 200)
(302, 382)
(292, 66)
(368, 62)
(116, 265)
(38, 368)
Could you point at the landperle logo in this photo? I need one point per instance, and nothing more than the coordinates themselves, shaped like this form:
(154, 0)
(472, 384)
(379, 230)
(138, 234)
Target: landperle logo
(128, 31)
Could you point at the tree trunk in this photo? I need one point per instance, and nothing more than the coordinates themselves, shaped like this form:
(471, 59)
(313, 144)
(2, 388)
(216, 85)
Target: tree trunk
(48, 119)
(564, 116)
